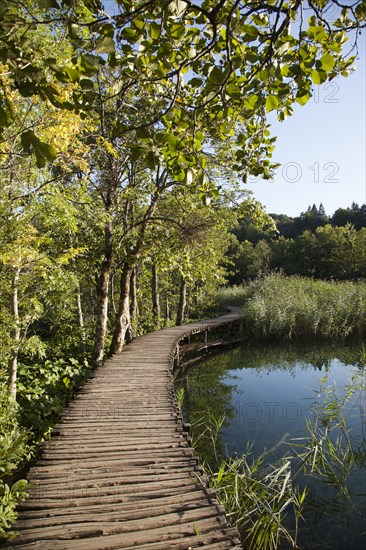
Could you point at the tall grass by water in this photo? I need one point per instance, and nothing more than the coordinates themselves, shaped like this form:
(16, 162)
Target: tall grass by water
(258, 499)
(283, 307)
(318, 479)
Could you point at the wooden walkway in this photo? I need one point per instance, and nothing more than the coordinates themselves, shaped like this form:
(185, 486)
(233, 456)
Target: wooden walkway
(119, 471)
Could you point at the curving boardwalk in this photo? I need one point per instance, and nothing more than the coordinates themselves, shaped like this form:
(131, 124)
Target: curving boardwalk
(119, 471)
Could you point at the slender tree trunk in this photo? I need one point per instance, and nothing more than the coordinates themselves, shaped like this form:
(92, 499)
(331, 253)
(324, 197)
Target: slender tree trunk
(133, 305)
(182, 301)
(187, 311)
(102, 298)
(80, 317)
(123, 315)
(13, 361)
(155, 295)
(167, 309)
(133, 295)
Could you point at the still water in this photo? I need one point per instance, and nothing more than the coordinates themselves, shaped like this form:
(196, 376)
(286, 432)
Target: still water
(267, 393)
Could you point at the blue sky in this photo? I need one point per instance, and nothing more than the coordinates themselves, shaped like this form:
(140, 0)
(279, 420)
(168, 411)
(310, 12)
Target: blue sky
(321, 149)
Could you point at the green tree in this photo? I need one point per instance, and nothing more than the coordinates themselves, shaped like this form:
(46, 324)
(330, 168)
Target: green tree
(336, 252)
(228, 61)
(36, 216)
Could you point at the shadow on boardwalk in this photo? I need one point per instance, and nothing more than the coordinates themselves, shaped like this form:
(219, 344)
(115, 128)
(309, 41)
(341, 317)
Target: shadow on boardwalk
(119, 471)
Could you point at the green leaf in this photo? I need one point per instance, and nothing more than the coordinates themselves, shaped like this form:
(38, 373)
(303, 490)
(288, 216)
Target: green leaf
(46, 150)
(88, 64)
(130, 34)
(154, 30)
(73, 74)
(170, 115)
(318, 77)
(195, 82)
(43, 151)
(272, 103)
(159, 72)
(143, 133)
(62, 76)
(250, 101)
(106, 30)
(302, 97)
(151, 160)
(86, 84)
(27, 139)
(176, 31)
(319, 33)
(139, 23)
(250, 32)
(136, 152)
(47, 4)
(105, 44)
(327, 62)
(92, 5)
(216, 75)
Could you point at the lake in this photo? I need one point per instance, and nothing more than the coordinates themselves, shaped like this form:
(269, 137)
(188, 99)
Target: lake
(267, 393)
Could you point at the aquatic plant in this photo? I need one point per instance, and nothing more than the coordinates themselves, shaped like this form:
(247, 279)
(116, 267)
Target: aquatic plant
(267, 502)
(283, 307)
(260, 500)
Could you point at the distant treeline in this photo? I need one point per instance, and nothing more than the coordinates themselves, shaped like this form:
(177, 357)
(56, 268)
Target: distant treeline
(312, 244)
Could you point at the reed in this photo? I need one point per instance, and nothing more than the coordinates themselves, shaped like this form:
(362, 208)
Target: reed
(271, 504)
(261, 500)
(280, 307)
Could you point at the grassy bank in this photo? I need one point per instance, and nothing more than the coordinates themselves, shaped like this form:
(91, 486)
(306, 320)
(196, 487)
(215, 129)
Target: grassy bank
(283, 307)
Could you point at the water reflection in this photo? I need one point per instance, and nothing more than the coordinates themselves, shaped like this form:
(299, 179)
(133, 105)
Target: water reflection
(207, 396)
(267, 393)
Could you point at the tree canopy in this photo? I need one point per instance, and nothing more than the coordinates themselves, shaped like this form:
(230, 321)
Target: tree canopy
(198, 70)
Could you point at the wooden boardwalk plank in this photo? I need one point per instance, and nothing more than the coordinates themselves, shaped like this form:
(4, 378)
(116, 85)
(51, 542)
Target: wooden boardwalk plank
(119, 471)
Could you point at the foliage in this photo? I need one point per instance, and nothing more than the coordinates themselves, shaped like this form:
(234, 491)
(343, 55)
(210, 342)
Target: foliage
(10, 496)
(228, 63)
(312, 245)
(315, 217)
(44, 391)
(14, 449)
(293, 307)
(331, 450)
(258, 501)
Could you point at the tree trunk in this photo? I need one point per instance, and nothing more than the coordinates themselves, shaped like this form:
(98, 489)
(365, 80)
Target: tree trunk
(133, 305)
(182, 301)
(167, 310)
(123, 315)
(13, 361)
(80, 317)
(155, 295)
(102, 298)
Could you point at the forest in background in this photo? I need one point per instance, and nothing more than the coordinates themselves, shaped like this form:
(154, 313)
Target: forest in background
(125, 140)
(312, 244)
